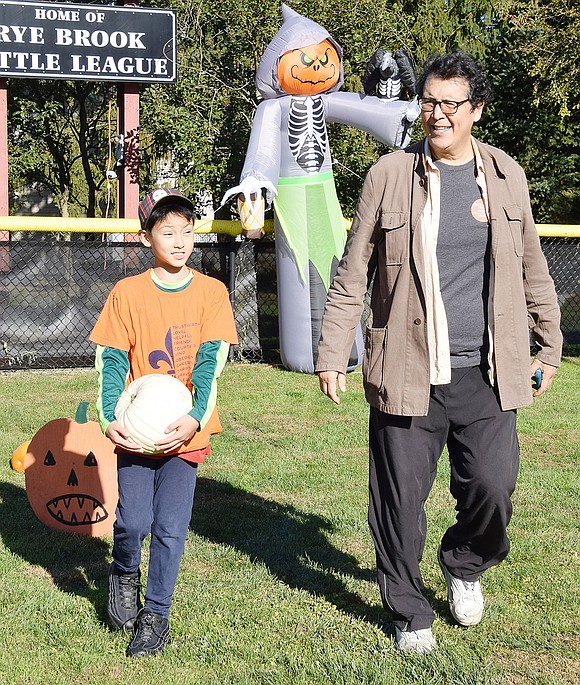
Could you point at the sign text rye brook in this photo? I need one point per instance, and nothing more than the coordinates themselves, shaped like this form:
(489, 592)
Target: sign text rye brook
(50, 40)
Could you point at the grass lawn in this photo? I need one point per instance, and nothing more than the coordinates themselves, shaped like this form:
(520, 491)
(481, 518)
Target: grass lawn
(277, 584)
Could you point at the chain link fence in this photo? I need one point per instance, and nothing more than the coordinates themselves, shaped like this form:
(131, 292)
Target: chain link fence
(52, 290)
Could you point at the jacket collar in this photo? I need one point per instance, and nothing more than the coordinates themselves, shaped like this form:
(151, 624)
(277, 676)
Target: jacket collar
(492, 158)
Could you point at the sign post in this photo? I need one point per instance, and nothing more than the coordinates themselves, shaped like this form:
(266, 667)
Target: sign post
(4, 204)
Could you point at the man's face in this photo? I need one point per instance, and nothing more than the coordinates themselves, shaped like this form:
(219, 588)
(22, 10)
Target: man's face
(449, 134)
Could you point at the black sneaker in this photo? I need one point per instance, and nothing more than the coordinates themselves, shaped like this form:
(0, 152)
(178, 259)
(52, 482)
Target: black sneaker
(124, 602)
(151, 634)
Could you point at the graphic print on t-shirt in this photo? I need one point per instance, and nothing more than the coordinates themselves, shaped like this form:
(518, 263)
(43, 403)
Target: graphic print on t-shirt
(180, 346)
(157, 357)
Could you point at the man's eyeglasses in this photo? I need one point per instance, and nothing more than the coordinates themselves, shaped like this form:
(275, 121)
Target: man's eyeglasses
(447, 106)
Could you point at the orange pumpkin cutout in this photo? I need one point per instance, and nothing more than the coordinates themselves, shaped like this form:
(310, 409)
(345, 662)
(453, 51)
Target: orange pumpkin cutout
(309, 71)
(70, 471)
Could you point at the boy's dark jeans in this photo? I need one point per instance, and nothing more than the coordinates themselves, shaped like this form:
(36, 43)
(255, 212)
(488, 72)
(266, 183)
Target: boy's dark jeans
(155, 496)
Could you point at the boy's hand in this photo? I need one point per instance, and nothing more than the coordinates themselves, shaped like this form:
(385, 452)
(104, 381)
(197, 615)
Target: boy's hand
(120, 437)
(178, 432)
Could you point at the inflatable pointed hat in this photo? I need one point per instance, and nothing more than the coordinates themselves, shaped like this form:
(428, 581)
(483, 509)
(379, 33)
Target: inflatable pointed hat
(296, 32)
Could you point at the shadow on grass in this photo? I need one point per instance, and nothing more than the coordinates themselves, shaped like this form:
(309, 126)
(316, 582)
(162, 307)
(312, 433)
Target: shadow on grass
(76, 563)
(292, 544)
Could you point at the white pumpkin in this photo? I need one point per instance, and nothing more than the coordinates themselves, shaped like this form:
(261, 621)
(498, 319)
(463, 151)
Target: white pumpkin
(149, 404)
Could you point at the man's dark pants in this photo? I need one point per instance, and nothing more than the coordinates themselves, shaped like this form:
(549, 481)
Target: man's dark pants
(483, 451)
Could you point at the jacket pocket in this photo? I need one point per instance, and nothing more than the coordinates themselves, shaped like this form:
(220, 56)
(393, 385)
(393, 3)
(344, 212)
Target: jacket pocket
(394, 226)
(374, 356)
(514, 218)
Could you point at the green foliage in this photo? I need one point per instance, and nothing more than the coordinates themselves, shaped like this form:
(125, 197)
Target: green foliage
(441, 26)
(59, 136)
(533, 128)
(551, 35)
(202, 124)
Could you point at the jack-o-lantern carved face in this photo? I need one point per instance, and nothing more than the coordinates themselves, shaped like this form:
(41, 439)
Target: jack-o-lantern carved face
(75, 508)
(310, 70)
(71, 477)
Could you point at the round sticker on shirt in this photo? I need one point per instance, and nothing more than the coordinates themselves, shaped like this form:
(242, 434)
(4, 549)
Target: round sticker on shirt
(478, 211)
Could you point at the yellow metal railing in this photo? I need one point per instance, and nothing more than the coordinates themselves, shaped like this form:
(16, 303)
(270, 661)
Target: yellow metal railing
(56, 224)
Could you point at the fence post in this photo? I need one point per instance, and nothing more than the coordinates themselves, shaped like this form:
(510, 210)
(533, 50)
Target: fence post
(4, 202)
(232, 279)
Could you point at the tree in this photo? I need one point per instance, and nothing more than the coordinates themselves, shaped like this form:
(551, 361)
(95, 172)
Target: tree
(202, 124)
(535, 116)
(59, 136)
(549, 31)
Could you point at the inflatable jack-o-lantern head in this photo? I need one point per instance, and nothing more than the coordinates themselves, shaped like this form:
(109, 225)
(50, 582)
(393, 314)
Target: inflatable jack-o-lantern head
(70, 470)
(301, 59)
(309, 70)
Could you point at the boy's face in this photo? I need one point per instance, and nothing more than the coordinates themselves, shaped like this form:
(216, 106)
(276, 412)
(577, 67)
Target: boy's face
(171, 240)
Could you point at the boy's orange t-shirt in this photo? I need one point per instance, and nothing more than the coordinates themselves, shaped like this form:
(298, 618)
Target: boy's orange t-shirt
(162, 330)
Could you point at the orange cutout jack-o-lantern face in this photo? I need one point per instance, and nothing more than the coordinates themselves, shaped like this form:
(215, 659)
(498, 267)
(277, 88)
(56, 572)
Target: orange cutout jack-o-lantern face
(310, 70)
(71, 477)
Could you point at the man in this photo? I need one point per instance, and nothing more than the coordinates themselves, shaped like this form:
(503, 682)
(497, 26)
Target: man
(446, 230)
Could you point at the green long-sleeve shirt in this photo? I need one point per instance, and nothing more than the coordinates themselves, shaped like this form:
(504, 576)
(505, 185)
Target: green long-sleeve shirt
(113, 368)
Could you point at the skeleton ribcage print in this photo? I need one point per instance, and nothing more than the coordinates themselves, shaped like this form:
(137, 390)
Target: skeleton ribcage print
(307, 132)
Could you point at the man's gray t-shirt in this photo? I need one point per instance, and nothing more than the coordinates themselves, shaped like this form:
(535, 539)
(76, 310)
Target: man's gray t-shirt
(463, 260)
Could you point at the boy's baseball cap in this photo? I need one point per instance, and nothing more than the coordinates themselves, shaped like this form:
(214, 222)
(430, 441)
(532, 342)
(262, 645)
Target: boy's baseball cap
(158, 197)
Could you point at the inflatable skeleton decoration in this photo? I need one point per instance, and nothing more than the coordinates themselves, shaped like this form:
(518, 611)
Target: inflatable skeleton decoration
(289, 161)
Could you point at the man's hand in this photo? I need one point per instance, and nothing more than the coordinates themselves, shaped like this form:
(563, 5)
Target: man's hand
(331, 382)
(178, 432)
(120, 437)
(548, 373)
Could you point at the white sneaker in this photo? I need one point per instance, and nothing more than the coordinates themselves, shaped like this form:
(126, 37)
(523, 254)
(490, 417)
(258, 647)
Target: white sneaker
(418, 641)
(465, 599)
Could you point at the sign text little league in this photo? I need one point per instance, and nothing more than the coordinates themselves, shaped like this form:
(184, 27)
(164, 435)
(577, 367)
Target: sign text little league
(50, 40)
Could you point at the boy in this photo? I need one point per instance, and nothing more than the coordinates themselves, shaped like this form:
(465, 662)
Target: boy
(169, 319)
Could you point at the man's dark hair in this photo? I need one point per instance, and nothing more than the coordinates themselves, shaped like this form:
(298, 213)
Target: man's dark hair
(458, 64)
(159, 213)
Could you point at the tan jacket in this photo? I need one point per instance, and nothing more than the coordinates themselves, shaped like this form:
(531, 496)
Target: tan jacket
(384, 243)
